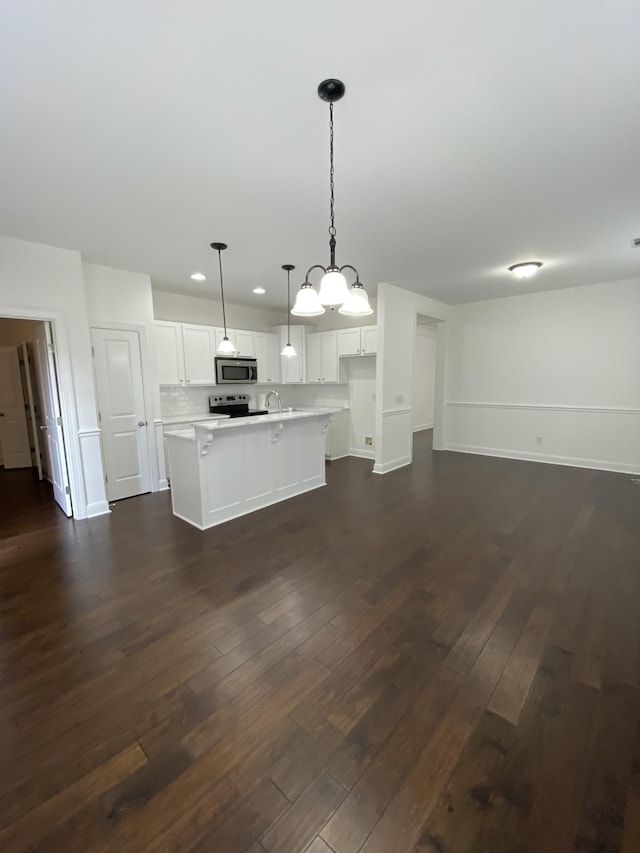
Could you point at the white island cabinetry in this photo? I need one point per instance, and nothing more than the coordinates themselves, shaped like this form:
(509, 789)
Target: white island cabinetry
(223, 470)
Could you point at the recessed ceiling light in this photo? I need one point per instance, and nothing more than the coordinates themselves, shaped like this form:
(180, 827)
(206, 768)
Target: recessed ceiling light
(526, 269)
(198, 276)
(259, 290)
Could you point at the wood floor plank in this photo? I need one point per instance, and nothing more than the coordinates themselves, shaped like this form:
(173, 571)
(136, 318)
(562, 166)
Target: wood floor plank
(441, 660)
(511, 691)
(299, 825)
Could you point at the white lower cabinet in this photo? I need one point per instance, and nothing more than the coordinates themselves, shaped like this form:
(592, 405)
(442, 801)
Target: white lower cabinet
(337, 444)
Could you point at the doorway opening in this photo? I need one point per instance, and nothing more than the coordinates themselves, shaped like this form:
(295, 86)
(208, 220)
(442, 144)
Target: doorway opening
(424, 375)
(32, 442)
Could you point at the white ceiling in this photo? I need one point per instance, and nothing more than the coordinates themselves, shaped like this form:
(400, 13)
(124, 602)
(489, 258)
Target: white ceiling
(474, 134)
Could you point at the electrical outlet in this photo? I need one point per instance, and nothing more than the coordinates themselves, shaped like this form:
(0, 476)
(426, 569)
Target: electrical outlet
(538, 439)
(368, 440)
(399, 398)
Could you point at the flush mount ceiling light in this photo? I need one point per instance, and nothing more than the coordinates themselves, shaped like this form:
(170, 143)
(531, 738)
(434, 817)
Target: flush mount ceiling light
(288, 350)
(225, 347)
(259, 290)
(198, 276)
(333, 286)
(526, 269)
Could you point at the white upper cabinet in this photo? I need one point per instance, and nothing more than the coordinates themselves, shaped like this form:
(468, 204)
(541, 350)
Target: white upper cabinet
(329, 345)
(293, 369)
(349, 342)
(245, 341)
(169, 353)
(314, 358)
(199, 354)
(360, 341)
(322, 357)
(369, 340)
(267, 348)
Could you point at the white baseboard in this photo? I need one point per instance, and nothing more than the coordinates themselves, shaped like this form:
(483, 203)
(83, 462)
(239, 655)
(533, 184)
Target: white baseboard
(386, 467)
(98, 508)
(361, 453)
(526, 456)
(163, 485)
(423, 426)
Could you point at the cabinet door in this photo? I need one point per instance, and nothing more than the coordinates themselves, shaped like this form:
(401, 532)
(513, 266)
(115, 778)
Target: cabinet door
(369, 338)
(219, 335)
(329, 343)
(293, 368)
(199, 354)
(245, 342)
(314, 358)
(349, 342)
(273, 358)
(169, 354)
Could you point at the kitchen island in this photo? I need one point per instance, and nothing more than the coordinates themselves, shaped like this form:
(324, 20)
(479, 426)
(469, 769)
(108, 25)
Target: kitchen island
(223, 469)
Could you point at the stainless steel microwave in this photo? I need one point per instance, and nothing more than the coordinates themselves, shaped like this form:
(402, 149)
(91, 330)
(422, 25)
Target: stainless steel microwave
(236, 371)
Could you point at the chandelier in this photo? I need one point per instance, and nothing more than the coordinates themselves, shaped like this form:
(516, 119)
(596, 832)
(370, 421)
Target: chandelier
(333, 285)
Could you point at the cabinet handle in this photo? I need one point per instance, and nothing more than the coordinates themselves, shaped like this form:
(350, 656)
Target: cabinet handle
(188, 380)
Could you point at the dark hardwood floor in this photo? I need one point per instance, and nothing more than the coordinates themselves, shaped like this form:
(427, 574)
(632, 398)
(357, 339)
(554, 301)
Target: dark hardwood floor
(441, 660)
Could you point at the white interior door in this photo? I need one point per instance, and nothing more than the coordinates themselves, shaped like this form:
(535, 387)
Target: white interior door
(16, 449)
(52, 426)
(31, 405)
(125, 441)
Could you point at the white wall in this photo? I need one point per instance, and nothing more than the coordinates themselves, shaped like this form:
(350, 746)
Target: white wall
(424, 378)
(43, 282)
(123, 299)
(180, 308)
(397, 314)
(549, 376)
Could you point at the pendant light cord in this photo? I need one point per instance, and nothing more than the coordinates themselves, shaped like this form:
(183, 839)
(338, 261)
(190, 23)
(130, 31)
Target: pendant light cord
(224, 316)
(332, 227)
(288, 309)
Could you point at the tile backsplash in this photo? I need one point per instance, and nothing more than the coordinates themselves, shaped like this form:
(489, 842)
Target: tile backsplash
(178, 400)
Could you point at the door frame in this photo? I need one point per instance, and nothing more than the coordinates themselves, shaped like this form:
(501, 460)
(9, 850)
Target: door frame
(67, 399)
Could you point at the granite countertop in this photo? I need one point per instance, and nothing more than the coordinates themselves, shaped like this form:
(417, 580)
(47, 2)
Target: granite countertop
(286, 415)
(191, 419)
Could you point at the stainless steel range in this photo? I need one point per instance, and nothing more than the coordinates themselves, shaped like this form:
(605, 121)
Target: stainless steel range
(234, 405)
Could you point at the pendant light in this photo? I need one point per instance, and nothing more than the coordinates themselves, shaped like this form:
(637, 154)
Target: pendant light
(333, 286)
(225, 347)
(288, 350)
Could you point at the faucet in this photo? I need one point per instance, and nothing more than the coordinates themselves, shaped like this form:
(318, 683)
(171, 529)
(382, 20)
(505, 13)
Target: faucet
(277, 396)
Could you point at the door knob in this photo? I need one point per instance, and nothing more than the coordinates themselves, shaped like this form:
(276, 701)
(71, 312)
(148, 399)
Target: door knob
(142, 423)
